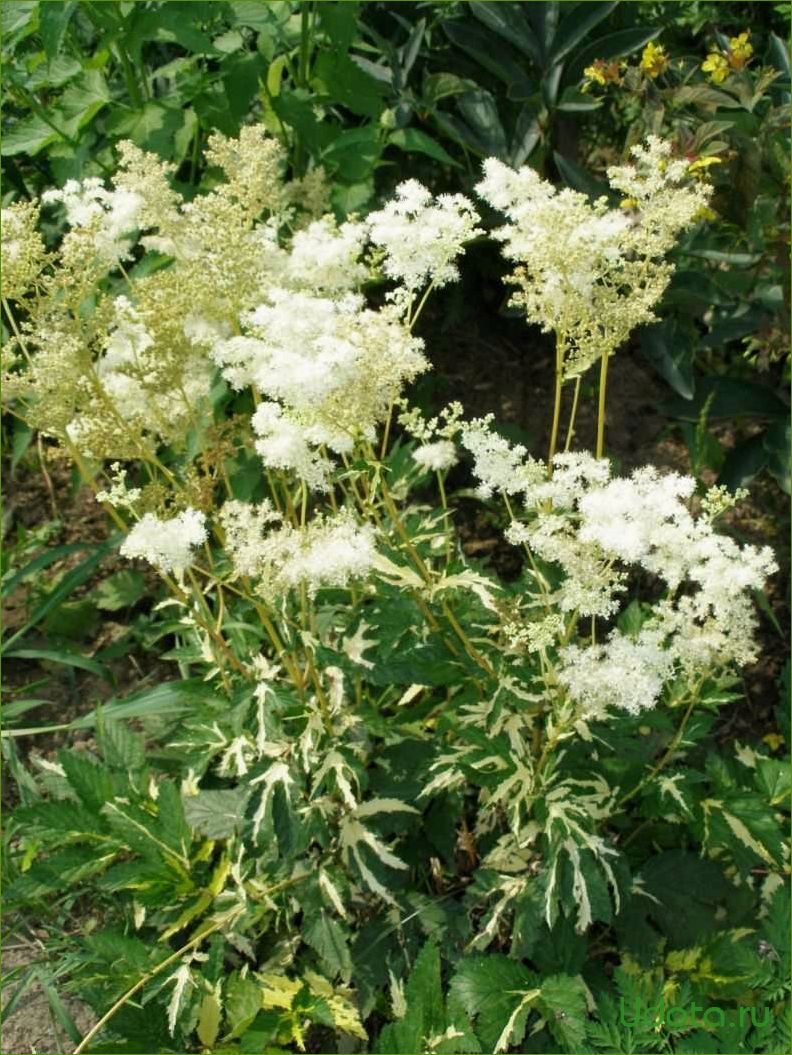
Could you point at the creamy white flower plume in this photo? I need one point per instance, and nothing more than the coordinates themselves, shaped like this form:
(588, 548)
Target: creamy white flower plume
(167, 544)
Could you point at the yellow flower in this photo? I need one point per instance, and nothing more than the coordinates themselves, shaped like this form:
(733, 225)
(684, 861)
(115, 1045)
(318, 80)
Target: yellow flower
(773, 741)
(740, 51)
(595, 73)
(700, 165)
(706, 214)
(602, 72)
(628, 203)
(654, 60)
(717, 66)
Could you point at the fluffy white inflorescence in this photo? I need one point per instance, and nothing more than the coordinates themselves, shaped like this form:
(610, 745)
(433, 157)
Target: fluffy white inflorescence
(326, 257)
(588, 272)
(333, 365)
(624, 673)
(329, 551)
(109, 214)
(166, 544)
(422, 236)
(437, 456)
(496, 463)
(284, 444)
(595, 530)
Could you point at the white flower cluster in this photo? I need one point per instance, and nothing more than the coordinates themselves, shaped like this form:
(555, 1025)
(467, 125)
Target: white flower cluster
(22, 250)
(436, 457)
(497, 464)
(166, 544)
(333, 365)
(595, 530)
(588, 272)
(624, 673)
(328, 551)
(326, 257)
(423, 237)
(108, 214)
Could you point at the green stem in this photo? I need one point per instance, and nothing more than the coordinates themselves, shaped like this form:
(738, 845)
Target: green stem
(667, 755)
(559, 384)
(573, 414)
(603, 390)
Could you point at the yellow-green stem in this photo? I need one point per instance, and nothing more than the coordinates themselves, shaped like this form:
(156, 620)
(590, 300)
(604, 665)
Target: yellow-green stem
(559, 384)
(603, 391)
(573, 415)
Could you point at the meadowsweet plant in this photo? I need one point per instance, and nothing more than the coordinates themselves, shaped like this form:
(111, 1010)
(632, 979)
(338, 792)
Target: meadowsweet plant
(587, 272)
(391, 759)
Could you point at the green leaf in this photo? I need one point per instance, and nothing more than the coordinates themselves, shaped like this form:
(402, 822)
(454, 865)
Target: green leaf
(120, 590)
(743, 463)
(670, 351)
(54, 17)
(437, 86)
(353, 153)
(120, 746)
(152, 128)
(578, 178)
(29, 136)
(490, 989)
(509, 22)
(326, 937)
(209, 1020)
(216, 814)
(481, 114)
(20, 17)
(509, 68)
(90, 780)
(76, 577)
(338, 79)
(414, 141)
(562, 1004)
(242, 1003)
(68, 659)
(577, 25)
(773, 779)
(777, 445)
(425, 1015)
(168, 699)
(730, 398)
(85, 96)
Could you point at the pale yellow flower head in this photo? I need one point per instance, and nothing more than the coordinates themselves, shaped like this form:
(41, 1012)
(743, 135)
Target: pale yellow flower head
(654, 60)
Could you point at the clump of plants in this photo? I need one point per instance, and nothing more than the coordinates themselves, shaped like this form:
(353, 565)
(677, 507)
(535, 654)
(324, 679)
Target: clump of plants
(416, 808)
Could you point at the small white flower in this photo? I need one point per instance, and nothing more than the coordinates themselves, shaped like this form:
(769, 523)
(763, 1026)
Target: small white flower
(166, 544)
(436, 457)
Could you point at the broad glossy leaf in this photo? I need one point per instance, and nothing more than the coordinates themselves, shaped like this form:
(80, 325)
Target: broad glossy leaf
(777, 446)
(671, 353)
(730, 398)
(481, 114)
(414, 141)
(577, 25)
(503, 63)
(527, 133)
(509, 21)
